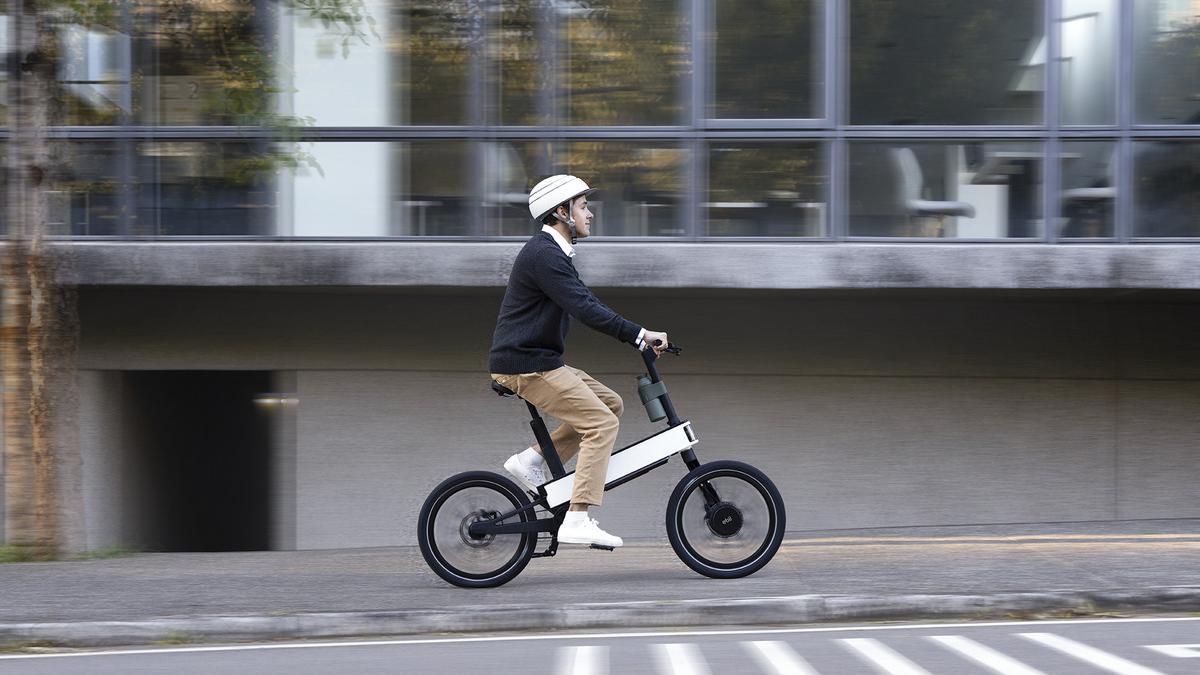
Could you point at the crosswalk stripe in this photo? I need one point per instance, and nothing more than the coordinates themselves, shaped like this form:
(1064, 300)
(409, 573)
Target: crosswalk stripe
(681, 659)
(883, 657)
(1096, 657)
(778, 658)
(1177, 651)
(984, 656)
(583, 660)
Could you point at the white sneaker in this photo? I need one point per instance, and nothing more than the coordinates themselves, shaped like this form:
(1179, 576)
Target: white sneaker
(529, 476)
(586, 531)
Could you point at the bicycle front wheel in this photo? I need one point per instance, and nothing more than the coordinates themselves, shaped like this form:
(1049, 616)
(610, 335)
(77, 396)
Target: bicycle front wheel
(449, 549)
(725, 519)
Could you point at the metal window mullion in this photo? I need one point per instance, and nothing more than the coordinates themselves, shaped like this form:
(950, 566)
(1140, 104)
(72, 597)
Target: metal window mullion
(838, 50)
(829, 65)
(1052, 111)
(699, 23)
(1123, 212)
(477, 118)
(126, 152)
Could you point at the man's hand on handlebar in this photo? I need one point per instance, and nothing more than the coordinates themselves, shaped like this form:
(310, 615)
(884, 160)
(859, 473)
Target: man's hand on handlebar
(656, 341)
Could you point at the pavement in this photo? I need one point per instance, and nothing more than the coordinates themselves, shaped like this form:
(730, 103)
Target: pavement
(995, 571)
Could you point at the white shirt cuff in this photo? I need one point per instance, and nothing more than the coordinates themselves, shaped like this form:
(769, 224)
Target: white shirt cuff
(641, 344)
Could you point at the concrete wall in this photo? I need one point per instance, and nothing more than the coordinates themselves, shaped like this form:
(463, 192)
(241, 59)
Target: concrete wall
(639, 264)
(867, 409)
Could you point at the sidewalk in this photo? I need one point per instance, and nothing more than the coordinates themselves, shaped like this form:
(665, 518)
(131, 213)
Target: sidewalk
(882, 574)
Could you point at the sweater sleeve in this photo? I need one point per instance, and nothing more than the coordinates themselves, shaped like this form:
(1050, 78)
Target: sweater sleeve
(559, 280)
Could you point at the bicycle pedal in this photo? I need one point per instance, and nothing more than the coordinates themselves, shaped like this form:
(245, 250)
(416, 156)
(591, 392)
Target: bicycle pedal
(600, 547)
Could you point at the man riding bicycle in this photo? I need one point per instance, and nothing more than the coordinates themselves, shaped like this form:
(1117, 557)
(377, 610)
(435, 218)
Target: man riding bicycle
(544, 290)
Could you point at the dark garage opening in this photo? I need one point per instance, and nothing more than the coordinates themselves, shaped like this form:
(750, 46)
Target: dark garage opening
(199, 454)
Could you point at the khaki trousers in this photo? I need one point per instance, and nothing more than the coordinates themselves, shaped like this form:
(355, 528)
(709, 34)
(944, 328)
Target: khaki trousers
(588, 411)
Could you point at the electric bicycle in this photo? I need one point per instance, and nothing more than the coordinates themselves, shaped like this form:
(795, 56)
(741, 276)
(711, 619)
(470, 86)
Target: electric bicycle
(724, 519)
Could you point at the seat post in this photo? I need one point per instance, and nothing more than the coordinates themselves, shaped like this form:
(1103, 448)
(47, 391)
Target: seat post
(549, 453)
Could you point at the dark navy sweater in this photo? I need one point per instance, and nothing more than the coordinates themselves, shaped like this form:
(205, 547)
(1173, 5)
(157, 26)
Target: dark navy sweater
(544, 290)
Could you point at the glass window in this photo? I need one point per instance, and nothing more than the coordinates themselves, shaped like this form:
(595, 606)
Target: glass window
(431, 189)
(205, 188)
(511, 170)
(1089, 37)
(93, 71)
(976, 190)
(766, 59)
(521, 60)
(641, 185)
(202, 63)
(1167, 61)
(1089, 188)
(979, 62)
(84, 189)
(433, 80)
(1167, 189)
(378, 189)
(4, 27)
(774, 190)
(315, 61)
(625, 62)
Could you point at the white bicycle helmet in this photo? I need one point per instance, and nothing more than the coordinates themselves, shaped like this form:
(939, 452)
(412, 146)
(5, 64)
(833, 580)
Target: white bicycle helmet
(548, 194)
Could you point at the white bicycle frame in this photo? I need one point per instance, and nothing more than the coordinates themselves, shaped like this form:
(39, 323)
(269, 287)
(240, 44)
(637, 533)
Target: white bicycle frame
(628, 462)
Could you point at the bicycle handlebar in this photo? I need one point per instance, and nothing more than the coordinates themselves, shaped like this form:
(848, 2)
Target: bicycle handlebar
(672, 348)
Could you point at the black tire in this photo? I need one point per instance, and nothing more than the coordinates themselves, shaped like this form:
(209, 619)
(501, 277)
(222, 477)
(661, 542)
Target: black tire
(749, 525)
(451, 553)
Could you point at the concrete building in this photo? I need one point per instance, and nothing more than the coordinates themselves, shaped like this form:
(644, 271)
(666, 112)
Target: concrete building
(920, 278)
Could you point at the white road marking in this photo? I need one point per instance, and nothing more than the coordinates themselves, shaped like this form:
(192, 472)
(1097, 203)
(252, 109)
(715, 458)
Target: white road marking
(985, 656)
(1177, 651)
(1096, 657)
(883, 657)
(778, 658)
(583, 636)
(582, 660)
(680, 658)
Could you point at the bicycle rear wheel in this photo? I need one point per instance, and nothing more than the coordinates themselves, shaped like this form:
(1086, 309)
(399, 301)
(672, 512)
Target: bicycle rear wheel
(725, 519)
(451, 552)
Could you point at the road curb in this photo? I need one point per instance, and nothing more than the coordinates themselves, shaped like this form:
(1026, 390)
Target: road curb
(647, 614)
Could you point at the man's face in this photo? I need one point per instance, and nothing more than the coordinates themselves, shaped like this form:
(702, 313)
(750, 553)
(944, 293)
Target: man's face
(583, 218)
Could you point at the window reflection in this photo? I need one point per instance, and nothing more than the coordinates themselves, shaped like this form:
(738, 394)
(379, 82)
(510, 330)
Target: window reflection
(979, 62)
(766, 58)
(4, 71)
(1089, 188)
(438, 43)
(511, 170)
(521, 61)
(640, 185)
(1088, 34)
(774, 190)
(1167, 61)
(202, 63)
(378, 189)
(1167, 189)
(83, 195)
(211, 188)
(972, 190)
(625, 62)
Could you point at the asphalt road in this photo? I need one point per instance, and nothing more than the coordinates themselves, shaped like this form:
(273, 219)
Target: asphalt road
(1125, 646)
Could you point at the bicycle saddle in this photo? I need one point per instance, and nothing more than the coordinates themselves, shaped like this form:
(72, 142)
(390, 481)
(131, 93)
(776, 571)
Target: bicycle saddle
(502, 390)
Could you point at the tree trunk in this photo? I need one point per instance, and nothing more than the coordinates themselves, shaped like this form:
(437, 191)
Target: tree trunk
(38, 324)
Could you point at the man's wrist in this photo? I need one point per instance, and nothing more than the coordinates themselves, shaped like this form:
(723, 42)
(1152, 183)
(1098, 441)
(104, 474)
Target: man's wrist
(640, 341)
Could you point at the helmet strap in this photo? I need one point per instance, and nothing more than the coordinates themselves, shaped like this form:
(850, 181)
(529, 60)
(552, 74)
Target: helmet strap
(569, 221)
